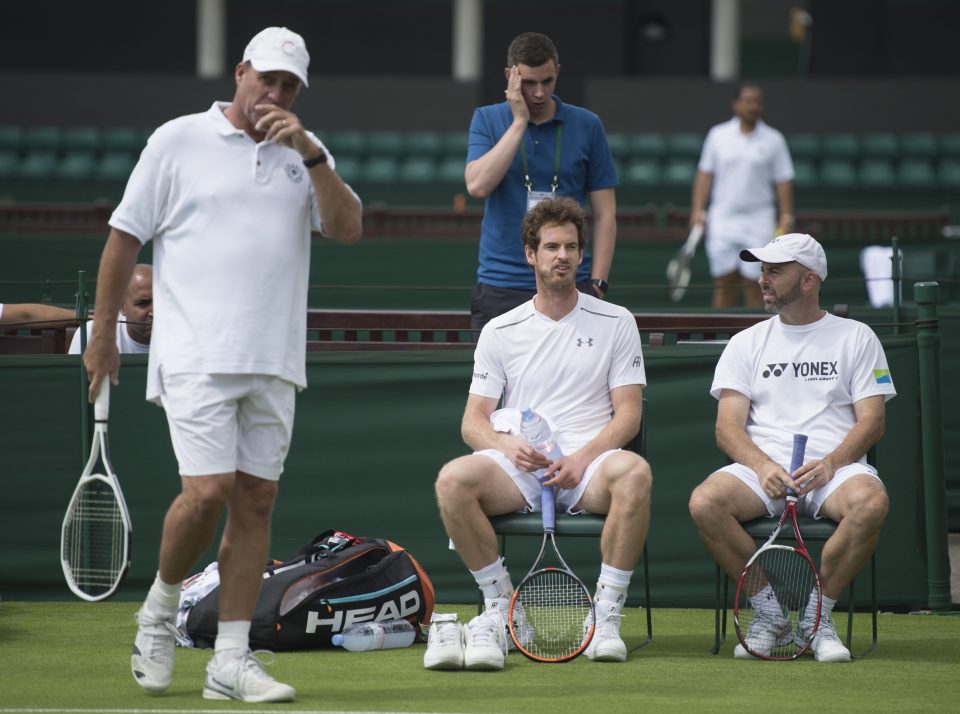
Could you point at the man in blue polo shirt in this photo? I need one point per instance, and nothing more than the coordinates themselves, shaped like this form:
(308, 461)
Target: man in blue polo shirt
(530, 147)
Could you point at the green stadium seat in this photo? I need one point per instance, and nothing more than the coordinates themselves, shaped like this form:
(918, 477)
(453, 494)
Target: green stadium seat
(77, 165)
(418, 169)
(427, 144)
(9, 162)
(385, 144)
(950, 145)
(805, 173)
(684, 145)
(918, 144)
(379, 169)
(43, 138)
(451, 170)
(121, 138)
(804, 146)
(916, 174)
(348, 168)
(81, 138)
(879, 145)
(646, 145)
(643, 172)
(877, 174)
(618, 143)
(948, 174)
(348, 143)
(838, 174)
(840, 146)
(679, 173)
(38, 165)
(455, 144)
(114, 166)
(11, 137)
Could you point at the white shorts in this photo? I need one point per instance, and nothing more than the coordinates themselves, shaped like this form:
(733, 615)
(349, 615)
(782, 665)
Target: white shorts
(727, 237)
(222, 423)
(810, 503)
(529, 485)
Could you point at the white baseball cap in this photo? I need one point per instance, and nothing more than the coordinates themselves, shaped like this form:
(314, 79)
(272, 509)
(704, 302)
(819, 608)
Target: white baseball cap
(278, 49)
(791, 248)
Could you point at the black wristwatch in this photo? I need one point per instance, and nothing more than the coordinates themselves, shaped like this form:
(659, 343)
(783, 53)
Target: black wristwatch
(602, 284)
(321, 158)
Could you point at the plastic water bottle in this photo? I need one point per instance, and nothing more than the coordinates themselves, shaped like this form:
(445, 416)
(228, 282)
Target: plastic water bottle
(536, 432)
(365, 636)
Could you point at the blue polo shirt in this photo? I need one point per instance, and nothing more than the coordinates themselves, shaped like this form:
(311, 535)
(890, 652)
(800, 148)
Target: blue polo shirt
(586, 165)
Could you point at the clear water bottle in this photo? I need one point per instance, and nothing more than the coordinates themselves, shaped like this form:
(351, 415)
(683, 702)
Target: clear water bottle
(365, 636)
(536, 432)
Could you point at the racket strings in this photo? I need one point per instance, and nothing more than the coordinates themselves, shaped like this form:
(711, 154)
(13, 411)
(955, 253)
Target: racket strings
(557, 609)
(774, 599)
(95, 538)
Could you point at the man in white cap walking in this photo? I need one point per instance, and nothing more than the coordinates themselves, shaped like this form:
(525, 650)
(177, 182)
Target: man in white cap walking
(804, 371)
(230, 197)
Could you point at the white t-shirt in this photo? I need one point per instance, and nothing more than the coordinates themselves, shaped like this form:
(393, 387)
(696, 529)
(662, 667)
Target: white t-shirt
(125, 343)
(563, 369)
(803, 379)
(745, 169)
(231, 221)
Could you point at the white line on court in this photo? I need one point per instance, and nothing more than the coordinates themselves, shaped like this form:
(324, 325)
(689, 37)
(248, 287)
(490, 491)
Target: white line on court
(71, 710)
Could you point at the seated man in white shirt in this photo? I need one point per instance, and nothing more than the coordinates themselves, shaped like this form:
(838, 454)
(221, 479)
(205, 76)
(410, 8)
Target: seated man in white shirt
(136, 315)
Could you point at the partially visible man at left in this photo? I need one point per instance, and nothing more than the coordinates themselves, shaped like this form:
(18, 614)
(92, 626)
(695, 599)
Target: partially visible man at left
(135, 322)
(230, 198)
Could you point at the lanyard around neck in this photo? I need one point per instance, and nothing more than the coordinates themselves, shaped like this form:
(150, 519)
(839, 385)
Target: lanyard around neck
(556, 162)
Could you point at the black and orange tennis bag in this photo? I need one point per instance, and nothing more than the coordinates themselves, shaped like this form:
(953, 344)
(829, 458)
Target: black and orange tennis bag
(335, 581)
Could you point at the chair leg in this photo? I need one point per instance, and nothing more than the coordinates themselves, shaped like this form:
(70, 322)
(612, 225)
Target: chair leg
(646, 601)
(874, 609)
(720, 602)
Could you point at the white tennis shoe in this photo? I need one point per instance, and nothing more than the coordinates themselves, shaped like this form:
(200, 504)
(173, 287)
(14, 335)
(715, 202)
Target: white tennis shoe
(485, 647)
(826, 645)
(152, 658)
(606, 645)
(765, 634)
(445, 645)
(242, 679)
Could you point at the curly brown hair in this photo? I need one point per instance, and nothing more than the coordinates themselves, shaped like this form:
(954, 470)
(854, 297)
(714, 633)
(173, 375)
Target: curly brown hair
(551, 212)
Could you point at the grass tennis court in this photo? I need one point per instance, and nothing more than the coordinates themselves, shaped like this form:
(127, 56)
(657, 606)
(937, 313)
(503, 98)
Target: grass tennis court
(74, 657)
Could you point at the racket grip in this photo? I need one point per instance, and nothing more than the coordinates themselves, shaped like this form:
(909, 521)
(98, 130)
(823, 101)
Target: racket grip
(101, 405)
(799, 448)
(548, 506)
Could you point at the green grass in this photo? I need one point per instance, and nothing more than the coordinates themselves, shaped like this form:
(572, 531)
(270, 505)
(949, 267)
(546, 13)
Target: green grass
(72, 657)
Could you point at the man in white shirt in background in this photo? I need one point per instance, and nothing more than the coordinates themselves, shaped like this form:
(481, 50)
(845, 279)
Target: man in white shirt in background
(136, 316)
(744, 167)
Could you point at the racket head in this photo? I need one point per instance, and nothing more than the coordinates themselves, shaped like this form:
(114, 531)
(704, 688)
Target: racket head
(792, 576)
(551, 616)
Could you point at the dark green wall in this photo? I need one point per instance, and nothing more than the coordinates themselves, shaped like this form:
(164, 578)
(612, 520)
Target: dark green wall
(371, 432)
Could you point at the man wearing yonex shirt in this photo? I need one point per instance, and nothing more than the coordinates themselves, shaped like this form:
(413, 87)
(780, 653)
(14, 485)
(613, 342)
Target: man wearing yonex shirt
(577, 361)
(230, 198)
(803, 371)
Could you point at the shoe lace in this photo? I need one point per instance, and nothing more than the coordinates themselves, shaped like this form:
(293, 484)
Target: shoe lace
(484, 630)
(446, 633)
(253, 661)
(608, 623)
(827, 629)
(158, 631)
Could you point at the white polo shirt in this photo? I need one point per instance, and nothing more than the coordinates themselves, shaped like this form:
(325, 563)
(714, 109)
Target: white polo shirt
(564, 368)
(745, 169)
(231, 221)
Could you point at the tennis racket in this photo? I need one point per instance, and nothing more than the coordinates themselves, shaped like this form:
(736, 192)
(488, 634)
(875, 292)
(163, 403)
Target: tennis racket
(678, 269)
(551, 612)
(768, 622)
(96, 533)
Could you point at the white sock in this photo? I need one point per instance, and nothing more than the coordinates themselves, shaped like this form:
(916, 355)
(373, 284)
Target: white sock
(232, 635)
(826, 605)
(765, 603)
(494, 581)
(163, 598)
(612, 586)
